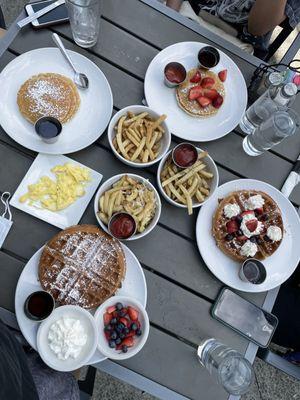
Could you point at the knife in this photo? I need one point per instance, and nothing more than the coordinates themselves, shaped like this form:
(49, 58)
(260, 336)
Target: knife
(39, 13)
(292, 180)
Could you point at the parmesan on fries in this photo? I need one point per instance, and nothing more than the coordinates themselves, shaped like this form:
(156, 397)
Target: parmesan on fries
(131, 196)
(138, 137)
(186, 185)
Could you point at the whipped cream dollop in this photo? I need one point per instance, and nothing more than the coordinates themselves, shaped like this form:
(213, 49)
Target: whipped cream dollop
(67, 337)
(244, 228)
(254, 202)
(248, 249)
(274, 233)
(231, 210)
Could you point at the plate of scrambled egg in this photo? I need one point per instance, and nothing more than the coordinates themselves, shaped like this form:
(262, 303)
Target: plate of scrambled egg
(56, 189)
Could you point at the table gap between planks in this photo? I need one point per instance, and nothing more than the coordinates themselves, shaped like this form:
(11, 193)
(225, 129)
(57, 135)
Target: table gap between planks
(180, 287)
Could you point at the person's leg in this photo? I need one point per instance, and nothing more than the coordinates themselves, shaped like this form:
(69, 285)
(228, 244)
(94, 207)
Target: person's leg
(265, 15)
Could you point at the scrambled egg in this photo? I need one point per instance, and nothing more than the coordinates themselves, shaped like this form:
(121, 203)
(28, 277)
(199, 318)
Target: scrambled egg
(55, 195)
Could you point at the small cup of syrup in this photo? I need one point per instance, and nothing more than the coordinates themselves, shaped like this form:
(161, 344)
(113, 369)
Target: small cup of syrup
(253, 271)
(208, 57)
(174, 74)
(122, 225)
(48, 129)
(185, 155)
(39, 305)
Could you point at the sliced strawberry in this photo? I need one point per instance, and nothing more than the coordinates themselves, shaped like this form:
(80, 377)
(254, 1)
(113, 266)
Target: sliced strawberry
(124, 321)
(195, 92)
(203, 101)
(128, 341)
(196, 78)
(242, 238)
(222, 75)
(107, 318)
(218, 101)
(131, 334)
(247, 212)
(252, 224)
(259, 211)
(211, 93)
(232, 226)
(107, 335)
(115, 314)
(207, 83)
(111, 309)
(133, 313)
(118, 347)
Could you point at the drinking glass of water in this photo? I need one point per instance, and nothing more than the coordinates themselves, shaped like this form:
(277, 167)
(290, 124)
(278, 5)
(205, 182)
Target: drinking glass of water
(278, 126)
(228, 366)
(84, 18)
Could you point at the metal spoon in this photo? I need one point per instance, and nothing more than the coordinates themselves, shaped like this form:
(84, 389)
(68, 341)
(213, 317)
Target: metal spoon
(80, 79)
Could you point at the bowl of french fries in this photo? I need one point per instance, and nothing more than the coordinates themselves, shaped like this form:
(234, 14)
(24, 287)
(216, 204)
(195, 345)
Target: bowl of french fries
(132, 194)
(139, 136)
(189, 187)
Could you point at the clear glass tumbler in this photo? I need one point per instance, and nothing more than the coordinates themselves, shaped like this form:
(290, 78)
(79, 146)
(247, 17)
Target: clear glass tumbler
(228, 366)
(271, 132)
(85, 21)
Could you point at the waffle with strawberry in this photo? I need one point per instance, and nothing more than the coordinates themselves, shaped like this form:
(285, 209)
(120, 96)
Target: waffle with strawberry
(248, 224)
(202, 93)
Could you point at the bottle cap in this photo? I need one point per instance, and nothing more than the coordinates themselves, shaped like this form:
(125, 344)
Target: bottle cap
(289, 89)
(275, 78)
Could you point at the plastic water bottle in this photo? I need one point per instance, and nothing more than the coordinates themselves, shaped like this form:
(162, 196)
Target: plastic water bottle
(270, 102)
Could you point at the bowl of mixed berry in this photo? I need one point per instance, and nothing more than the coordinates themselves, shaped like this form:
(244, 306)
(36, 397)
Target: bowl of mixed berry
(124, 327)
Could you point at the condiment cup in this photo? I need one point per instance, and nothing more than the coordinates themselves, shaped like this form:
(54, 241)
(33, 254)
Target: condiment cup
(140, 341)
(113, 218)
(137, 109)
(175, 66)
(211, 51)
(261, 271)
(180, 145)
(48, 298)
(108, 184)
(56, 125)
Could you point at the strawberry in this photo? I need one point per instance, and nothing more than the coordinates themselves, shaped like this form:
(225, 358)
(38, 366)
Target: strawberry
(259, 211)
(247, 212)
(195, 92)
(203, 101)
(196, 78)
(107, 318)
(107, 335)
(128, 341)
(252, 225)
(118, 347)
(242, 238)
(131, 334)
(211, 93)
(207, 83)
(222, 75)
(218, 101)
(111, 309)
(115, 314)
(232, 226)
(124, 321)
(133, 313)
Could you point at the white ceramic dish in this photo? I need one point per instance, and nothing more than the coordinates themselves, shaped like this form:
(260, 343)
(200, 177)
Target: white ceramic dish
(279, 266)
(163, 100)
(107, 185)
(211, 167)
(42, 167)
(139, 341)
(89, 325)
(133, 284)
(165, 142)
(89, 122)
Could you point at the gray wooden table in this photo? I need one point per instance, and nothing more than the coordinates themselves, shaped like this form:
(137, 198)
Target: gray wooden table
(181, 289)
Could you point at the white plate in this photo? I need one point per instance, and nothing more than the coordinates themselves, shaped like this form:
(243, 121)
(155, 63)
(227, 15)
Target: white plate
(134, 285)
(89, 122)
(279, 266)
(62, 219)
(162, 99)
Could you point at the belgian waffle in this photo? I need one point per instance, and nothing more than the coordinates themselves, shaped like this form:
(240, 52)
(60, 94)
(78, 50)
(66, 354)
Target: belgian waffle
(48, 94)
(269, 216)
(192, 107)
(82, 265)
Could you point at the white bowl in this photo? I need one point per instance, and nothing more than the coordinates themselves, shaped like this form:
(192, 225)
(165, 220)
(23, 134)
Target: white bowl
(71, 364)
(165, 141)
(140, 341)
(211, 167)
(107, 185)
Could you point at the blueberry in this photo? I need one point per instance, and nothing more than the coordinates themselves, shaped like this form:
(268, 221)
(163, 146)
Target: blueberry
(124, 349)
(114, 335)
(118, 341)
(238, 219)
(108, 328)
(112, 344)
(134, 326)
(119, 306)
(122, 335)
(122, 313)
(113, 321)
(264, 217)
(121, 326)
(259, 241)
(266, 238)
(253, 239)
(229, 237)
(239, 233)
(126, 331)
(138, 332)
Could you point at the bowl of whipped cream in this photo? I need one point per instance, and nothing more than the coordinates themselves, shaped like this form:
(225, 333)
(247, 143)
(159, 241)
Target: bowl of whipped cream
(67, 339)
